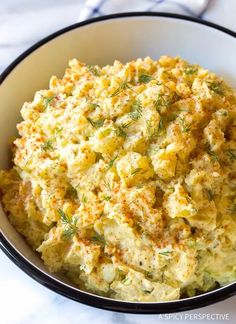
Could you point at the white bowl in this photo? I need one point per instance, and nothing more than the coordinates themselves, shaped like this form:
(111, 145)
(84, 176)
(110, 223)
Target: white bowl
(101, 41)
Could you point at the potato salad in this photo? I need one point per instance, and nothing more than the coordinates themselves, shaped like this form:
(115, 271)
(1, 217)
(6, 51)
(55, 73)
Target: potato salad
(124, 179)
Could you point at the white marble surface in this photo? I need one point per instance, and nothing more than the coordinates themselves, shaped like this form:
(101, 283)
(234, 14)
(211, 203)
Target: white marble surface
(22, 300)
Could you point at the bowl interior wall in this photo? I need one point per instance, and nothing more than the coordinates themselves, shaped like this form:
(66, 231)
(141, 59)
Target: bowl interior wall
(101, 43)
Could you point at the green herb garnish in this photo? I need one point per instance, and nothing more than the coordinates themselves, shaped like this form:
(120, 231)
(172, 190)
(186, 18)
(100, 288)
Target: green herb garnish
(47, 101)
(98, 239)
(123, 86)
(213, 155)
(186, 127)
(107, 198)
(93, 106)
(97, 123)
(64, 218)
(111, 162)
(126, 281)
(216, 87)
(190, 70)
(58, 130)
(232, 154)
(145, 78)
(47, 146)
(210, 194)
(120, 132)
(161, 102)
(224, 113)
(69, 232)
(107, 185)
(152, 132)
(135, 171)
(84, 199)
(155, 132)
(165, 253)
(70, 225)
(148, 291)
(161, 126)
(126, 125)
(136, 110)
(93, 69)
(149, 128)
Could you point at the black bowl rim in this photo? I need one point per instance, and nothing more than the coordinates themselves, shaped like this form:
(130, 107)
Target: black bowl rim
(84, 297)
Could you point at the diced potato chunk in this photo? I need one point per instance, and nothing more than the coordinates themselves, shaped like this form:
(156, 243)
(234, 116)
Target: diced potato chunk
(164, 162)
(133, 168)
(179, 204)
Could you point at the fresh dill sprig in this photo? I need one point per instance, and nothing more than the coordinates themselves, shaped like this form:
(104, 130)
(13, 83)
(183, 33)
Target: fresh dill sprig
(165, 253)
(47, 146)
(149, 129)
(152, 131)
(68, 232)
(213, 155)
(232, 154)
(107, 185)
(123, 86)
(210, 194)
(70, 225)
(161, 102)
(47, 101)
(135, 171)
(171, 189)
(111, 162)
(58, 130)
(190, 70)
(126, 125)
(126, 281)
(64, 218)
(135, 115)
(84, 199)
(120, 132)
(96, 123)
(186, 127)
(98, 239)
(161, 126)
(94, 70)
(148, 291)
(145, 78)
(224, 113)
(107, 198)
(216, 87)
(93, 106)
(136, 110)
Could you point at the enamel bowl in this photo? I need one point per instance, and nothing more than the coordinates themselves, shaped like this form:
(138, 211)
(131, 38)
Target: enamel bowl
(100, 41)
